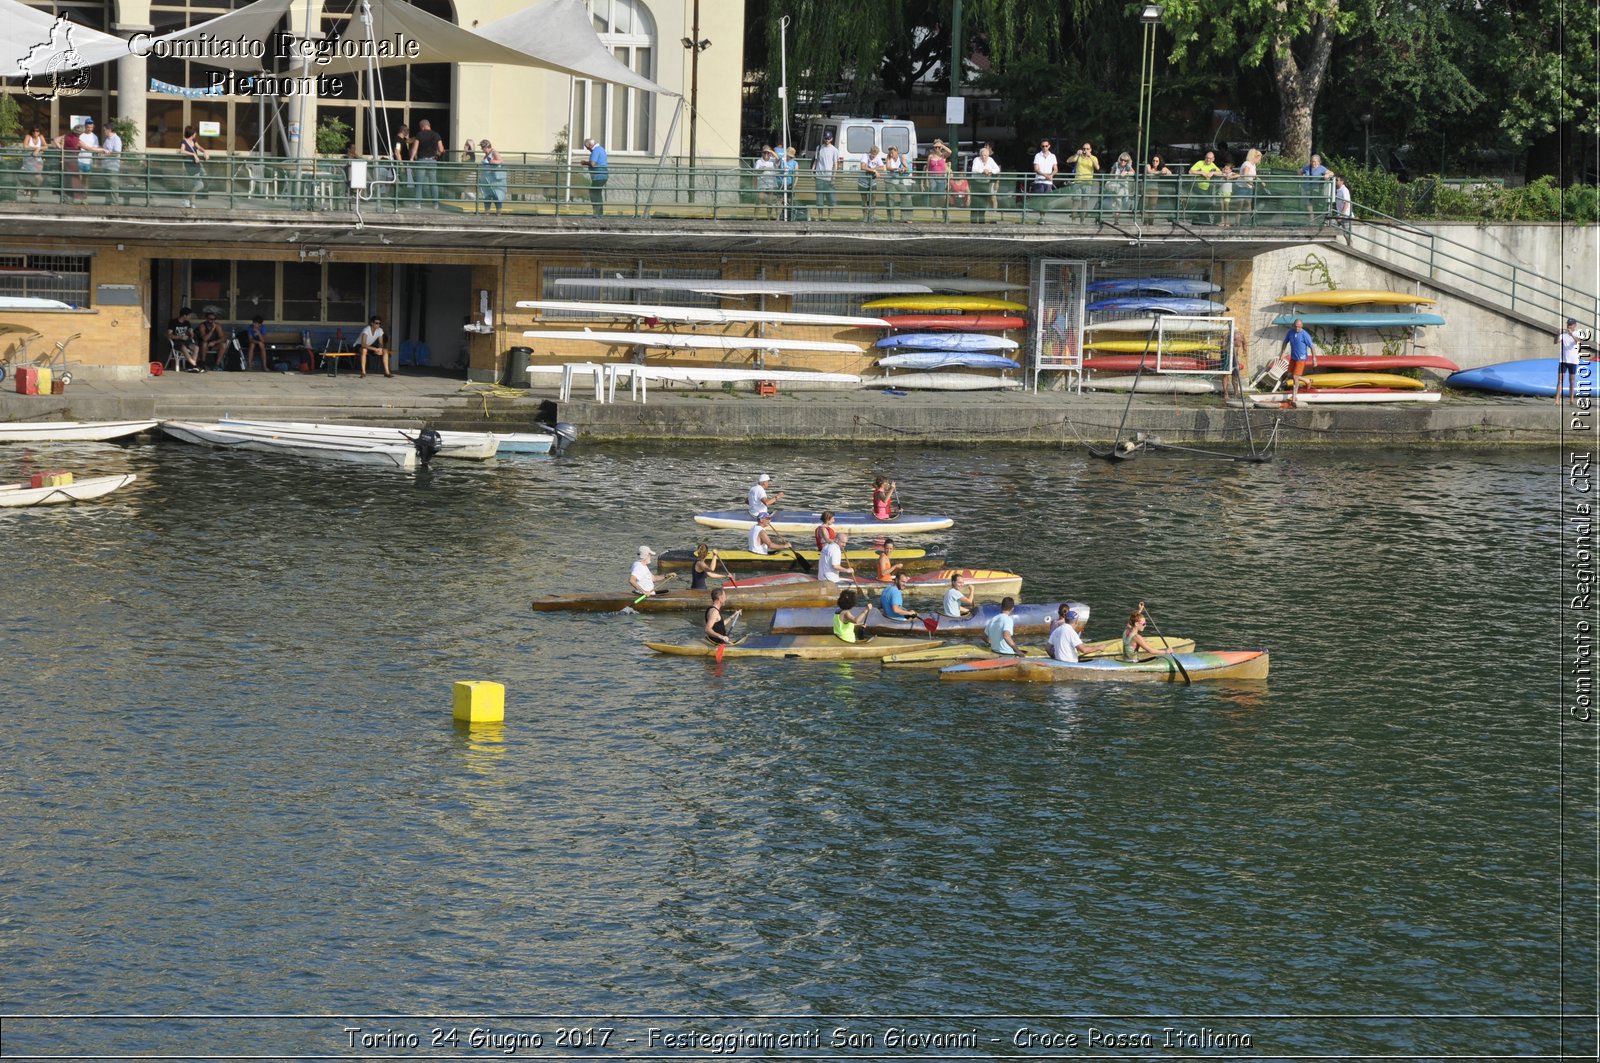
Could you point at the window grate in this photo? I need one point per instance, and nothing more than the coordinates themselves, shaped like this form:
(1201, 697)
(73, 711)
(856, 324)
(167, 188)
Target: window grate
(69, 280)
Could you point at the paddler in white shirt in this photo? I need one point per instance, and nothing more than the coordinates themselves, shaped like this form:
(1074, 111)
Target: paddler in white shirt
(958, 601)
(830, 563)
(1068, 635)
(641, 579)
(763, 540)
(757, 498)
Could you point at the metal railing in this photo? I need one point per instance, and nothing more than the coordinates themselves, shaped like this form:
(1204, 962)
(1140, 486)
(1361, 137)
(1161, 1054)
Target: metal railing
(1476, 272)
(717, 193)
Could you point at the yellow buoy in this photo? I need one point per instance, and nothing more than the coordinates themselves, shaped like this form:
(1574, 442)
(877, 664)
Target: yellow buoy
(479, 701)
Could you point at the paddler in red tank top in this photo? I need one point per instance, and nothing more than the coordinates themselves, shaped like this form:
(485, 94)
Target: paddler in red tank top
(825, 533)
(883, 504)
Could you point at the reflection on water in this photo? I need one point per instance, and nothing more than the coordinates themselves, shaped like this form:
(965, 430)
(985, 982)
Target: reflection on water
(236, 783)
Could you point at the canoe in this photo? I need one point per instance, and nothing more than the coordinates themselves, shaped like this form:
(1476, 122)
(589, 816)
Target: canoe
(468, 446)
(1384, 362)
(1534, 377)
(801, 522)
(956, 322)
(947, 360)
(756, 592)
(1357, 297)
(795, 647)
(1029, 619)
(524, 442)
(952, 653)
(241, 438)
(911, 560)
(1149, 345)
(1127, 363)
(1200, 665)
(1147, 304)
(946, 341)
(1158, 285)
(1154, 383)
(1173, 324)
(1343, 396)
(22, 495)
(1362, 380)
(991, 583)
(936, 380)
(700, 315)
(952, 303)
(1375, 320)
(70, 431)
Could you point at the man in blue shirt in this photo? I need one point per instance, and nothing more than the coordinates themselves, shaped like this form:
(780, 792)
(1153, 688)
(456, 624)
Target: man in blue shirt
(1001, 631)
(1300, 346)
(892, 600)
(598, 175)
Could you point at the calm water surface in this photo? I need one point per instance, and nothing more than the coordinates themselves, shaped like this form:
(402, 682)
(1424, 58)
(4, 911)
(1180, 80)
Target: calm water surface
(233, 784)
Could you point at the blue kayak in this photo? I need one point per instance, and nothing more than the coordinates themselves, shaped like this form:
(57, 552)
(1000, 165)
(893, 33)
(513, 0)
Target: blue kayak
(1138, 304)
(947, 341)
(1373, 320)
(948, 360)
(1159, 285)
(1534, 377)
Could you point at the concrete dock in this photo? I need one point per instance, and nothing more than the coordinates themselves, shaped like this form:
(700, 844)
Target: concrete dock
(1050, 417)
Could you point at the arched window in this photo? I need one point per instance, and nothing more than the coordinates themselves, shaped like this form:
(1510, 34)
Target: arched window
(619, 117)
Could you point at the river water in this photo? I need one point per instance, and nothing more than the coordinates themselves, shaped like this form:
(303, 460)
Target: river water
(234, 787)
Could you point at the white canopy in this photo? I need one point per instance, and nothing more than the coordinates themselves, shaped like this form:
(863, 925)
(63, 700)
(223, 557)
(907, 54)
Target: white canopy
(35, 38)
(562, 34)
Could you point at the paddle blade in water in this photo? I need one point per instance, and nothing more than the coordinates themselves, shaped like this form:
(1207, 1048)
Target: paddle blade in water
(931, 623)
(721, 649)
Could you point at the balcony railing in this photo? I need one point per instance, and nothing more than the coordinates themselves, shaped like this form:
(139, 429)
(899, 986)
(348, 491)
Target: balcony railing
(730, 192)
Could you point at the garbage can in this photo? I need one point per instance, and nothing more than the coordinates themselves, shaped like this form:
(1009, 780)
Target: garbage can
(517, 359)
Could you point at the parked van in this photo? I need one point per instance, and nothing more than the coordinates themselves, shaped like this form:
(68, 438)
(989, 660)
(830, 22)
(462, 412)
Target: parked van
(856, 136)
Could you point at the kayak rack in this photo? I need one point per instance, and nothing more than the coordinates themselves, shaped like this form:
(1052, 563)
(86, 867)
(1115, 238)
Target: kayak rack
(1126, 449)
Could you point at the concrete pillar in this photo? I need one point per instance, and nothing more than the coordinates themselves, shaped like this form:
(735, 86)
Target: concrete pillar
(302, 107)
(133, 89)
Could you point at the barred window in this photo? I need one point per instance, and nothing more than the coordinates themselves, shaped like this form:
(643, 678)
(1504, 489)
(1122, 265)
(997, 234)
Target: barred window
(63, 277)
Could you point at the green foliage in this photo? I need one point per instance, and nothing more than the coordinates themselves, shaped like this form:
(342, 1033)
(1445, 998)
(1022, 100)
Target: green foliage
(560, 146)
(128, 130)
(10, 119)
(1432, 198)
(333, 135)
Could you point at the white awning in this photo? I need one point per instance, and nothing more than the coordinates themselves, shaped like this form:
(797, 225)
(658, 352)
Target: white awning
(562, 34)
(34, 39)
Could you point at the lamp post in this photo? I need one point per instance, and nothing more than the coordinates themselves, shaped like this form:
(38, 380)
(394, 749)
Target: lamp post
(696, 45)
(1151, 18)
(1366, 125)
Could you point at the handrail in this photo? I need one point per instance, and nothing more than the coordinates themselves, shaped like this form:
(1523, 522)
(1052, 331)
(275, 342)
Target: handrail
(1481, 274)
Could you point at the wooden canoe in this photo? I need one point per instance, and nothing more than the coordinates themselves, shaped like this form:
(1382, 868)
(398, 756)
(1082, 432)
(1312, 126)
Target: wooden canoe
(981, 583)
(1203, 665)
(795, 647)
(953, 653)
(1029, 620)
(910, 559)
(756, 592)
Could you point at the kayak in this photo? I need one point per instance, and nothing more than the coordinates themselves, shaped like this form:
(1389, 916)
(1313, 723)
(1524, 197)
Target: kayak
(911, 560)
(1029, 620)
(1159, 285)
(1147, 304)
(968, 304)
(1200, 665)
(946, 360)
(1383, 363)
(794, 647)
(1343, 396)
(1154, 324)
(946, 341)
(1362, 380)
(957, 322)
(1357, 297)
(1150, 344)
(953, 653)
(1528, 376)
(981, 583)
(1370, 320)
(800, 522)
(755, 592)
(1127, 363)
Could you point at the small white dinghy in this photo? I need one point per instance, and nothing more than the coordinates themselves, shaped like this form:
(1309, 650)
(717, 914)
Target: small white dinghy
(70, 431)
(470, 446)
(240, 437)
(525, 442)
(24, 494)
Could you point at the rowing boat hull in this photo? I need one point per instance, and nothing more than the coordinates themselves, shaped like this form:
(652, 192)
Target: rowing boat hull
(1128, 363)
(1343, 397)
(947, 360)
(709, 376)
(952, 303)
(463, 446)
(1532, 377)
(70, 431)
(795, 647)
(1382, 363)
(213, 435)
(953, 653)
(1154, 384)
(21, 495)
(1152, 324)
(911, 560)
(691, 341)
(936, 380)
(956, 322)
(1149, 345)
(793, 522)
(1200, 666)
(1029, 620)
(701, 316)
(756, 592)
(1357, 297)
(524, 442)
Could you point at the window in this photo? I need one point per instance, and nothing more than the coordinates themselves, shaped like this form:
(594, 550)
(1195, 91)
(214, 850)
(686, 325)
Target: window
(858, 140)
(620, 118)
(408, 92)
(68, 282)
(312, 292)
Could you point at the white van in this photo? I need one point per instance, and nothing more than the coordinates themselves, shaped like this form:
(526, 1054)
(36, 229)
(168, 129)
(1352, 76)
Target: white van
(856, 136)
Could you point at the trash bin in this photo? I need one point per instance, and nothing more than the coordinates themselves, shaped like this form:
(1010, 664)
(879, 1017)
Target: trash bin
(517, 360)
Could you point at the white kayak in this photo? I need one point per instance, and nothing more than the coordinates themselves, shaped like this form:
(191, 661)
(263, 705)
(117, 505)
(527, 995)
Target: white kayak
(19, 495)
(1172, 325)
(70, 431)
(703, 376)
(791, 522)
(267, 442)
(471, 446)
(702, 315)
(1153, 383)
(1343, 397)
(937, 381)
(692, 341)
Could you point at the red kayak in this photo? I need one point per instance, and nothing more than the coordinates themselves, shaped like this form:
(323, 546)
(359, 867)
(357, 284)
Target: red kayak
(1127, 363)
(1383, 362)
(956, 322)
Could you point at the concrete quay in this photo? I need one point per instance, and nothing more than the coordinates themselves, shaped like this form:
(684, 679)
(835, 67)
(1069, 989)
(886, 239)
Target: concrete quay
(1049, 417)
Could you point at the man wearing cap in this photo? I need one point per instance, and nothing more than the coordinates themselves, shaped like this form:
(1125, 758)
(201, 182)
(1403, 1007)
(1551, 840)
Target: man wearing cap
(757, 498)
(824, 167)
(1568, 362)
(763, 540)
(640, 578)
(1068, 635)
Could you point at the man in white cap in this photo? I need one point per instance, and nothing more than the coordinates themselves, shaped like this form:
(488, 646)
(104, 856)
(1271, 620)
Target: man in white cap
(758, 498)
(763, 540)
(640, 578)
(1068, 635)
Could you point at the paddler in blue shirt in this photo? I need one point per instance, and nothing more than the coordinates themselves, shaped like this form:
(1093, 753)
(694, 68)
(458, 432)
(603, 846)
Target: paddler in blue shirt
(892, 600)
(1001, 630)
(1299, 345)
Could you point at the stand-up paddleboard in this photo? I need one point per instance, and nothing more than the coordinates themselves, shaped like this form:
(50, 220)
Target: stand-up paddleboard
(799, 522)
(1382, 363)
(698, 376)
(690, 342)
(1362, 380)
(948, 360)
(936, 381)
(956, 322)
(1357, 297)
(1154, 383)
(946, 341)
(1359, 320)
(1152, 324)
(1144, 304)
(1342, 397)
(1534, 377)
(1128, 363)
(957, 304)
(1151, 345)
(702, 316)
(1157, 285)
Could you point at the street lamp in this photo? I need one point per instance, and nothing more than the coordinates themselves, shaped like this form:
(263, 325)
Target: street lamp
(696, 44)
(1150, 17)
(1366, 123)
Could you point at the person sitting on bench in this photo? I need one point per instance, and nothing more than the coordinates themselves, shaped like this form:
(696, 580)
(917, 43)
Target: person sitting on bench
(213, 342)
(180, 333)
(371, 341)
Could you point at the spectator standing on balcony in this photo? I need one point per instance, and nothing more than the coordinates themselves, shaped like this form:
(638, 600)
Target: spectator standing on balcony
(69, 145)
(984, 172)
(88, 148)
(1317, 178)
(824, 169)
(599, 174)
(111, 162)
(869, 181)
(194, 159)
(1245, 186)
(1044, 170)
(425, 152)
(766, 168)
(1122, 184)
(1085, 164)
(33, 146)
(1154, 171)
(1202, 198)
(404, 143)
(1343, 209)
(788, 174)
(901, 185)
(492, 186)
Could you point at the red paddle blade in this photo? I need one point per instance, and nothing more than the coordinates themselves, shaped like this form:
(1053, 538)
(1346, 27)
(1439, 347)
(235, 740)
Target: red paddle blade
(931, 623)
(721, 647)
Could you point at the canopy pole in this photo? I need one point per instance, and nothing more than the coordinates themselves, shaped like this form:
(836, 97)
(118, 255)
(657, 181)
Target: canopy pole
(572, 135)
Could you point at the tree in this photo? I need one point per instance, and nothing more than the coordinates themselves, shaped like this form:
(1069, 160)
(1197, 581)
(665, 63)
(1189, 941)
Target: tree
(1294, 37)
(1544, 63)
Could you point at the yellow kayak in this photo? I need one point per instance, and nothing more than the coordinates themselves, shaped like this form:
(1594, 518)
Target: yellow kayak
(1362, 380)
(963, 303)
(1356, 297)
(1141, 346)
(939, 656)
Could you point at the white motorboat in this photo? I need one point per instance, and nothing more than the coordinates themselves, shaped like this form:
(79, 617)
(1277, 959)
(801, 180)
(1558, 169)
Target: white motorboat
(471, 446)
(70, 431)
(241, 437)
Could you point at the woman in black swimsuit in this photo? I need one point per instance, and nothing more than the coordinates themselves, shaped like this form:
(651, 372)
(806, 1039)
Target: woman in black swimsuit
(706, 561)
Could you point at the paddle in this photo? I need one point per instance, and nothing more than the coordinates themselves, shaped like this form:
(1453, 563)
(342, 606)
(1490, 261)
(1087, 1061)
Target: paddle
(728, 630)
(1181, 669)
(931, 623)
(646, 594)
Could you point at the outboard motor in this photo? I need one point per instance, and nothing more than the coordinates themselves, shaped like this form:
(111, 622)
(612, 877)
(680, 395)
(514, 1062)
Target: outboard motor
(428, 444)
(565, 435)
